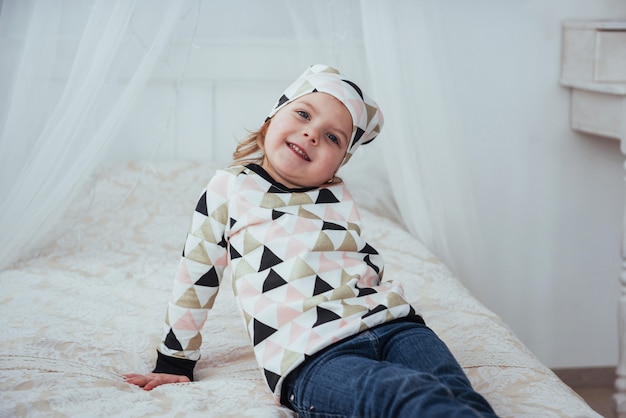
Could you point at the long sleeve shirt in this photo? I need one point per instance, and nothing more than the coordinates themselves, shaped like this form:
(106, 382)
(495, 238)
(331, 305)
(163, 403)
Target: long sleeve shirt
(303, 276)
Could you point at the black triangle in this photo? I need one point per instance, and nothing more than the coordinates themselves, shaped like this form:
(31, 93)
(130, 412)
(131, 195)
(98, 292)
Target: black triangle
(222, 243)
(201, 206)
(354, 86)
(282, 100)
(276, 214)
(234, 253)
(273, 281)
(326, 196)
(368, 249)
(375, 310)
(261, 331)
(330, 225)
(172, 342)
(324, 316)
(366, 291)
(276, 190)
(232, 222)
(209, 279)
(321, 286)
(271, 378)
(372, 265)
(357, 135)
(268, 259)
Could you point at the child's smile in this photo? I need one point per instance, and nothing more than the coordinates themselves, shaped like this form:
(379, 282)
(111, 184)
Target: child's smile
(306, 141)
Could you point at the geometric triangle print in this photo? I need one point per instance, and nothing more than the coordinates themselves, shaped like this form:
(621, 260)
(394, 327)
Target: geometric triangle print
(172, 342)
(324, 316)
(357, 135)
(199, 254)
(210, 279)
(261, 331)
(372, 265)
(189, 299)
(326, 196)
(323, 243)
(374, 311)
(186, 322)
(303, 213)
(250, 243)
(268, 259)
(201, 206)
(271, 378)
(330, 225)
(299, 199)
(368, 249)
(234, 253)
(365, 291)
(348, 244)
(300, 269)
(349, 310)
(273, 281)
(289, 358)
(321, 286)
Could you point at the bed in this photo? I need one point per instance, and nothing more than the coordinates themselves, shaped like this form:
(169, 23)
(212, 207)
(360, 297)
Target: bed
(89, 306)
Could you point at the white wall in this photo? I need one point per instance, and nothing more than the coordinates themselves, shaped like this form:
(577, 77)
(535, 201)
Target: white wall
(550, 201)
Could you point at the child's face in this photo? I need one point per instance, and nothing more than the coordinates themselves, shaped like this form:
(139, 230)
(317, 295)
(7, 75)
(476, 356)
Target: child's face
(307, 140)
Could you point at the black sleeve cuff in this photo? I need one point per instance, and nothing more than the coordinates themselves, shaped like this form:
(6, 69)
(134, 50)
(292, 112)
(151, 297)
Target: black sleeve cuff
(174, 365)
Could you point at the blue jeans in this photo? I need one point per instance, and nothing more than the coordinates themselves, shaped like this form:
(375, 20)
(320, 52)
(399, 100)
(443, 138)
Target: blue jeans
(396, 370)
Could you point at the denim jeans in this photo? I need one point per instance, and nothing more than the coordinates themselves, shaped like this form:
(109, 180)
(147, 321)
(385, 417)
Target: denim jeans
(396, 370)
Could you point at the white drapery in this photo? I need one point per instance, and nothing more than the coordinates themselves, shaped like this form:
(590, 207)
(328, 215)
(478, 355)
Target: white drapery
(72, 70)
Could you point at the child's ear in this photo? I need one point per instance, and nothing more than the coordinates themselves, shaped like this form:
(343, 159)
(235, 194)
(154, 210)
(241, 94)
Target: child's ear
(265, 126)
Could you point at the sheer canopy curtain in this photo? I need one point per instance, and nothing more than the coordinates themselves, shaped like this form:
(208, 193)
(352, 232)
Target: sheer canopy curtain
(397, 49)
(70, 69)
(423, 153)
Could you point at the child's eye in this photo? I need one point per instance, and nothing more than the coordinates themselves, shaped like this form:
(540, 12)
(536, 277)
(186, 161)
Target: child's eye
(333, 138)
(304, 114)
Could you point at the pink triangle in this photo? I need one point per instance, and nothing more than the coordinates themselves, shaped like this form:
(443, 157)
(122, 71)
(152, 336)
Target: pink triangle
(285, 314)
(294, 294)
(186, 322)
(295, 247)
(270, 350)
(349, 261)
(276, 231)
(314, 341)
(296, 332)
(262, 303)
(246, 289)
(304, 225)
(219, 186)
(354, 214)
(326, 264)
(332, 215)
(182, 274)
(249, 183)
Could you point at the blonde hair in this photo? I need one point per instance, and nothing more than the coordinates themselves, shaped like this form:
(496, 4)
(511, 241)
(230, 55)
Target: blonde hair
(251, 149)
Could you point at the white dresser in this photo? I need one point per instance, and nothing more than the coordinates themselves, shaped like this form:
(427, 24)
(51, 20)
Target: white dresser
(594, 67)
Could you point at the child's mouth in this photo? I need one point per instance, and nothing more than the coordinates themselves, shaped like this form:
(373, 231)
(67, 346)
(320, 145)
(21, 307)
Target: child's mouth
(299, 151)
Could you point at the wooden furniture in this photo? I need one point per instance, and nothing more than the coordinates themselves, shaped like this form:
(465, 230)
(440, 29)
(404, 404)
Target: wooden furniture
(594, 67)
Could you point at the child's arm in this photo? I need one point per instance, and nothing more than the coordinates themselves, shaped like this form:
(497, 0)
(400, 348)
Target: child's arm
(195, 288)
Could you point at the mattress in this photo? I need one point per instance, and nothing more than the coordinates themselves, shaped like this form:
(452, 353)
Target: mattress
(89, 305)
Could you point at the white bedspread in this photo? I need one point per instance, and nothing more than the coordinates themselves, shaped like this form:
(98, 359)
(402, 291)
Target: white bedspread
(91, 306)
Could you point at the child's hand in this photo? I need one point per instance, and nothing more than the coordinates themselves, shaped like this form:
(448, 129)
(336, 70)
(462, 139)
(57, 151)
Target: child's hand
(152, 380)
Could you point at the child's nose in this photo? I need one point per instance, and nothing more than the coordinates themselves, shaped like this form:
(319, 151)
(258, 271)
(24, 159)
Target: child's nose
(311, 135)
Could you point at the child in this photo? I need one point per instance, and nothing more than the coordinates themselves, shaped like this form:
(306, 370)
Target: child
(331, 337)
